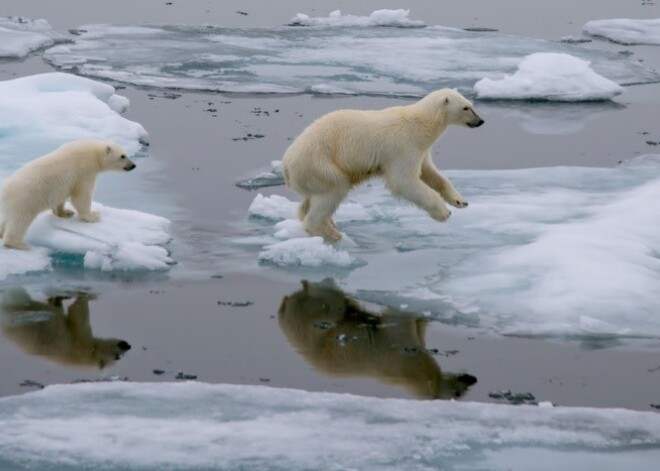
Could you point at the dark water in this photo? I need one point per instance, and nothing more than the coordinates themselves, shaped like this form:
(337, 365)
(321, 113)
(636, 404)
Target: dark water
(230, 329)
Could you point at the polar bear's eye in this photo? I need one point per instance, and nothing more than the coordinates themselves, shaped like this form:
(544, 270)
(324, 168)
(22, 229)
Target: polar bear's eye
(466, 108)
(123, 156)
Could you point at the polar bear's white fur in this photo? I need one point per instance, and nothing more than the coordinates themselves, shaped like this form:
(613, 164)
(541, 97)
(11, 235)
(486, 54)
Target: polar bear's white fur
(345, 147)
(48, 181)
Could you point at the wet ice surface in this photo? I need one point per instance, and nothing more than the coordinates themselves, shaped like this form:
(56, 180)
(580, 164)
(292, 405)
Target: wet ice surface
(20, 36)
(550, 77)
(201, 426)
(41, 112)
(393, 18)
(626, 31)
(564, 251)
(404, 61)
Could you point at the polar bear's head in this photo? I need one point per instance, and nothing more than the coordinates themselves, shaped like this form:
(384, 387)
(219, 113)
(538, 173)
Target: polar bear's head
(113, 157)
(459, 110)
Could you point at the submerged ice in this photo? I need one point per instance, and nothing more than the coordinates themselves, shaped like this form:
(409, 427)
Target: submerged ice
(551, 251)
(339, 54)
(19, 36)
(202, 426)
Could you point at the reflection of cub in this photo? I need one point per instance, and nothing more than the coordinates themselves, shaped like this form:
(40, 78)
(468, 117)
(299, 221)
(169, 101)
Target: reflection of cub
(45, 329)
(339, 337)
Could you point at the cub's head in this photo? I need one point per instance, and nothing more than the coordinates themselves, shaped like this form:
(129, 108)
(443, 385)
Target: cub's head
(114, 157)
(458, 109)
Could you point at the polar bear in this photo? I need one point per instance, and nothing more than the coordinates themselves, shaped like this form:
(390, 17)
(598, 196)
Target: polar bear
(48, 181)
(345, 147)
(48, 330)
(340, 338)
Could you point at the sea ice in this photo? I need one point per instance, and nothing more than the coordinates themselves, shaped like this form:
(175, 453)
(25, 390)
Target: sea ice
(118, 425)
(123, 240)
(346, 55)
(41, 112)
(550, 77)
(565, 251)
(397, 18)
(626, 31)
(19, 36)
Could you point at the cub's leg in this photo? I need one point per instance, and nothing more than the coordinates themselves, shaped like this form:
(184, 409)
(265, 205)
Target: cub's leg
(303, 209)
(62, 212)
(81, 198)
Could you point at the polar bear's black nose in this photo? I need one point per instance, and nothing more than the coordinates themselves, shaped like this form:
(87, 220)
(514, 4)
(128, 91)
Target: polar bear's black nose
(481, 121)
(128, 168)
(124, 345)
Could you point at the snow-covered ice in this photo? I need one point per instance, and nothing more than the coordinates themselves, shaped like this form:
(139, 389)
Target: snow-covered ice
(19, 36)
(193, 425)
(344, 56)
(550, 77)
(396, 18)
(564, 251)
(626, 31)
(123, 240)
(41, 112)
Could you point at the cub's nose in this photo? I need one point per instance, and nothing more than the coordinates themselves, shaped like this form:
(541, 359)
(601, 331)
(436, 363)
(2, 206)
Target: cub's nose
(130, 167)
(481, 121)
(123, 345)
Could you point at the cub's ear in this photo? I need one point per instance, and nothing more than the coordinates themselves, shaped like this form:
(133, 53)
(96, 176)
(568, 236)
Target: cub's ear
(107, 150)
(446, 102)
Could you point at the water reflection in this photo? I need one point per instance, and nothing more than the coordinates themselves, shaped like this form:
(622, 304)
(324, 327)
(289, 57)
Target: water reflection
(339, 337)
(56, 332)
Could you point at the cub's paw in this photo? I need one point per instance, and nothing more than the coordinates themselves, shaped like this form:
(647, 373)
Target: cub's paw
(64, 213)
(457, 201)
(93, 216)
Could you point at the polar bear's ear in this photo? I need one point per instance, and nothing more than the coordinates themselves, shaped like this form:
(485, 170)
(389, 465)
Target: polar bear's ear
(108, 149)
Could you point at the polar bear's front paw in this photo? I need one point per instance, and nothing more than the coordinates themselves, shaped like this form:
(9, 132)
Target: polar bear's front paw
(455, 199)
(92, 216)
(441, 214)
(16, 245)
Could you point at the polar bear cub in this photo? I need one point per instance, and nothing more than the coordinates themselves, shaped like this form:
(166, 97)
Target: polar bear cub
(48, 181)
(345, 147)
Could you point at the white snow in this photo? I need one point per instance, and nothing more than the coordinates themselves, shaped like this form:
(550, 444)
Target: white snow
(305, 251)
(398, 18)
(564, 251)
(550, 77)
(340, 57)
(123, 240)
(191, 425)
(19, 36)
(626, 31)
(41, 112)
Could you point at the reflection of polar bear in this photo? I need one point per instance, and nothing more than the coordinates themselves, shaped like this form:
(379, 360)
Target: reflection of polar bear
(343, 148)
(339, 337)
(44, 329)
(48, 181)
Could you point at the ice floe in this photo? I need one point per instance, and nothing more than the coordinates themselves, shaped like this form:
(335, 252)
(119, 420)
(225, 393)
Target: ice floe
(550, 77)
(41, 112)
(626, 31)
(19, 36)
(123, 240)
(343, 56)
(397, 18)
(564, 251)
(201, 426)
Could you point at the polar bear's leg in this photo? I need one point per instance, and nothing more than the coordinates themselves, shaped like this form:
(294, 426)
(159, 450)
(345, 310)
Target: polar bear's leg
(404, 183)
(81, 198)
(436, 180)
(303, 209)
(2, 227)
(14, 231)
(318, 221)
(62, 212)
